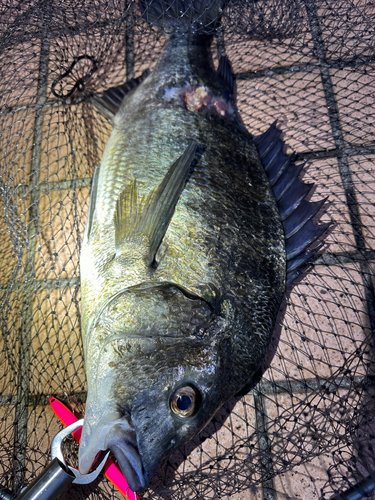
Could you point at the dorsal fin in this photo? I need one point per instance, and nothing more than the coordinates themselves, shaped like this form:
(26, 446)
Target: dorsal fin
(109, 101)
(91, 213)
(290, 193)
(151, 215)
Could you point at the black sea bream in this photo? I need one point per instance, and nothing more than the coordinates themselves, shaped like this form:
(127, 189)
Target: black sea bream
(194, 229)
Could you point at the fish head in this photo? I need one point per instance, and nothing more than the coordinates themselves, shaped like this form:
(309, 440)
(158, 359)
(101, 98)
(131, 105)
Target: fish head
(157, 369)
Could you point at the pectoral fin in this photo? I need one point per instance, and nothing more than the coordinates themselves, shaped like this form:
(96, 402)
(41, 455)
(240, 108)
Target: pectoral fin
(151, 215)
(109, 101)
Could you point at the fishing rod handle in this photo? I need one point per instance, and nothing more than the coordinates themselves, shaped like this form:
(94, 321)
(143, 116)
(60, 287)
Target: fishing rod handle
(53, 482)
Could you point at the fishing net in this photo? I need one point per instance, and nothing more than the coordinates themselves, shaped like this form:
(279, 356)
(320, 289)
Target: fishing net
(305, 427)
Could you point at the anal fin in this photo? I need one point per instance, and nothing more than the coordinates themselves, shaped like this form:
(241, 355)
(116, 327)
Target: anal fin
(150, 216)
(91, 213)
(290, 193)
(108, 102)
(225, 74)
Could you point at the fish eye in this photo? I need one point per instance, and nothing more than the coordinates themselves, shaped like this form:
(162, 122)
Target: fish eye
(185, 401)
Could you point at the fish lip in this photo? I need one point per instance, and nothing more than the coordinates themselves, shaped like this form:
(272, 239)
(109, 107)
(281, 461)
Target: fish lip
(131, 466)
(120, 438)
(124, 447)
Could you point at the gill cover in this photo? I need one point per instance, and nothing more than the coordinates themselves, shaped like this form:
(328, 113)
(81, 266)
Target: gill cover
(150, 343)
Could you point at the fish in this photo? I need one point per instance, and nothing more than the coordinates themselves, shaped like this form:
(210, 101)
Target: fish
(195, 227)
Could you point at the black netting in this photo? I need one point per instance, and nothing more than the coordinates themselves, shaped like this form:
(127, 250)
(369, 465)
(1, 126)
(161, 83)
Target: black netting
(305, 427)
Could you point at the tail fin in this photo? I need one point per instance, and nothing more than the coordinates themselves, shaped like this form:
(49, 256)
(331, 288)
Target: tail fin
(201, 16)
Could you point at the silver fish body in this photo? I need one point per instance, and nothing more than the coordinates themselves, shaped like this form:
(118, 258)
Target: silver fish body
(200, 311)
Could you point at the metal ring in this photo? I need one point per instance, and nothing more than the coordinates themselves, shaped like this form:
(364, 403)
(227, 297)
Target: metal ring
(56, 452)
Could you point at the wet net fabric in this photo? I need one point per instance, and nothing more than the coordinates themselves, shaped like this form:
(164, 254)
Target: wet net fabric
(305, 427)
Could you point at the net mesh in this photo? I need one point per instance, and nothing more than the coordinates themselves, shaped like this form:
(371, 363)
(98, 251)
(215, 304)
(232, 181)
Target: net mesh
(305, 427)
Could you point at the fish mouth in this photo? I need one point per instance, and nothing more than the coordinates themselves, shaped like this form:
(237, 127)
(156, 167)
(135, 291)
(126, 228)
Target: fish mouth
(119, 437)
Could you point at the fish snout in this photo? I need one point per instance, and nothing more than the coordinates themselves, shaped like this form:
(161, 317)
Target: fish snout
(119, 437)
